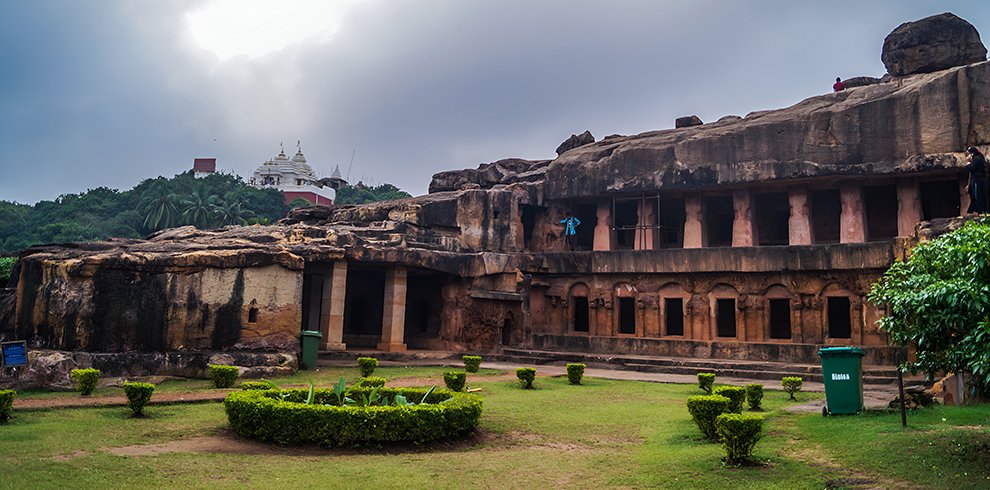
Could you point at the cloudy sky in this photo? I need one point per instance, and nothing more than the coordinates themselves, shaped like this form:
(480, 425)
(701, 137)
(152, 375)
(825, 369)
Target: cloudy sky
(107, 93)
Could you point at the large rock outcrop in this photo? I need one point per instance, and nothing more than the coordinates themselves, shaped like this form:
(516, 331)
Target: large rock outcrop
(931, 44)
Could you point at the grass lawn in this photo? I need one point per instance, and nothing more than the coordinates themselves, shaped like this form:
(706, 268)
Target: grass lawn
(602, 434)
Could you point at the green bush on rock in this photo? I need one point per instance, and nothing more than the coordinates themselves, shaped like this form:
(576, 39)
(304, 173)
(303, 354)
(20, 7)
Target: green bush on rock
(705, 409)
(284, 418)
(738, 433)
(367, 365)
(223, 376)
(472, 363)
(6, 404)
(735, 394)
(792, 385)
(138, 395)
(754, 396)
(527, 376)
(371, 382)
(454, 380)
(706, 381)
(85, 379)
(575, 372)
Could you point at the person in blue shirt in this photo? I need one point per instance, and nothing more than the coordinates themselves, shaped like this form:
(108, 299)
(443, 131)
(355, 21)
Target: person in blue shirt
(570, 229)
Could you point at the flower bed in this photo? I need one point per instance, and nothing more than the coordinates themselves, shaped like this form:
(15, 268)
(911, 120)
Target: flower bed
(285, 417)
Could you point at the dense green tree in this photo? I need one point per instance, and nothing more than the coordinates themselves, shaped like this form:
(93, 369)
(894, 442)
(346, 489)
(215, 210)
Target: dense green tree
(159, 205)
(361, 194)
(300, 203)
(231, 213)
(199, 209)
(938, 301)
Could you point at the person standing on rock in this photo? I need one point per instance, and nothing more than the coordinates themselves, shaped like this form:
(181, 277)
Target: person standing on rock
(570, 229)
(977, 186)
(838, 86)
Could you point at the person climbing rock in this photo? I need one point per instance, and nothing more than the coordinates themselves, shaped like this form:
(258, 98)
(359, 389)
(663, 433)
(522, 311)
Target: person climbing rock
(838, 86)
(570, 229)
(977, 186)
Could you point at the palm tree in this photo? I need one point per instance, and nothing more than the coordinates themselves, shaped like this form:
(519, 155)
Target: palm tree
(231, 213)
(199, 210)
(158, 206)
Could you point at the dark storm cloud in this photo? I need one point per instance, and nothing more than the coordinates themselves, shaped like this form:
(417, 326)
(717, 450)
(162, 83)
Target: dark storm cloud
(110, 93)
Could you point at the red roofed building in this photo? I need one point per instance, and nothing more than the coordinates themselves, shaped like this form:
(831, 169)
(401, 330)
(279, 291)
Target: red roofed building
(204, 166)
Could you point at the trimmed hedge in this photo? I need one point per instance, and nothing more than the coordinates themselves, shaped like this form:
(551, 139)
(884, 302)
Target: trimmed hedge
(371, 382)
(138, 395)
(6, 404)
(706, 381)
(454, 380)
(266, 416)
(527, 376)
(575, 372)
(472, 363)
(258, 385)
(367, 365)
(705, 409)
(85, 379)
(792, 385)
(735, 394)
(739, 434)
(223, 376)
(754, 396)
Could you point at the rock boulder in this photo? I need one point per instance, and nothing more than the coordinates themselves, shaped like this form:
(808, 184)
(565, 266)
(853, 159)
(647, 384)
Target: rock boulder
(687, 121)
(575, 141)
(931, 44)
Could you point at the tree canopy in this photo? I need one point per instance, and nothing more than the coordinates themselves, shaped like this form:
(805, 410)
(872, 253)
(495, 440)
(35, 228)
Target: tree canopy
(939, 302)
(362, 194)
(154, 204)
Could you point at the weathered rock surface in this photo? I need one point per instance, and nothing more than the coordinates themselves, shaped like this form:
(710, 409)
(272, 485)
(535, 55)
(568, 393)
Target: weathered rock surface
(687, 122)
(575, 141)
(487, 175)
(859, 82)
(931, 44)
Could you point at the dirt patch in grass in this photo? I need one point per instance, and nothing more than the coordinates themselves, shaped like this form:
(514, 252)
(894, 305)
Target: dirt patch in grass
(845, 477)
(159, 397)
(223, 442)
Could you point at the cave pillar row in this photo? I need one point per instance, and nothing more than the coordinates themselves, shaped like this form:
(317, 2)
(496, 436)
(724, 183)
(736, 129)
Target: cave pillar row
(603, 228)
(645, 228)
(851, 225)
(908, 207)
(742, 221)
(692, 222)
(394, 317)
(799, 223)
(334, 295)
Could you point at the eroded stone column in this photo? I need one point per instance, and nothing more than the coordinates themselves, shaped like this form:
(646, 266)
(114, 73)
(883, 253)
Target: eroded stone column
(692, 222)
(908, 207)
(644, 232)
(332, 322)
(851, 229)
(963, 197)
(742, 221)
(799, 223)
(394, 317)
(603, 232)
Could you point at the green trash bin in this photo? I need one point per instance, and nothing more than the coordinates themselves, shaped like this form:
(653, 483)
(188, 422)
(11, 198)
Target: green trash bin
(842, 370)
(310, 347)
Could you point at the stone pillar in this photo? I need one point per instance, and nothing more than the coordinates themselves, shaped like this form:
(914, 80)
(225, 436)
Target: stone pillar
(742, 221)
(603, 230)
(851, 229)
(692, 222)
(799, 223)
(394, 317)
(963, 197)
(332, 321)
(644, 233)
(908, 207)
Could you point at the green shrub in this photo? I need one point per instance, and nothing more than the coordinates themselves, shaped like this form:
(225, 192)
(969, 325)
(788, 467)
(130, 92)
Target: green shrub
(735, 394)
(282, 417)
(371, 382)
(705, 409)
(6, 404)
(472, 363)
(792, 385)
(367, 365)
(258, 385)
(527, 376)
(223, 376)
(754, 396)
(575, 371)
(454, 380)
(138, 395)
(85, 379)
(706, 381)
(738, 433)
(6, 269)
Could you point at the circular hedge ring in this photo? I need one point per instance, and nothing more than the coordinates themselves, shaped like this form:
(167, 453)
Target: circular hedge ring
(284, 417)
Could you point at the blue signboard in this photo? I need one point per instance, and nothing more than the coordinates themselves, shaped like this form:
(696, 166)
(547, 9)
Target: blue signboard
(14, 353)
